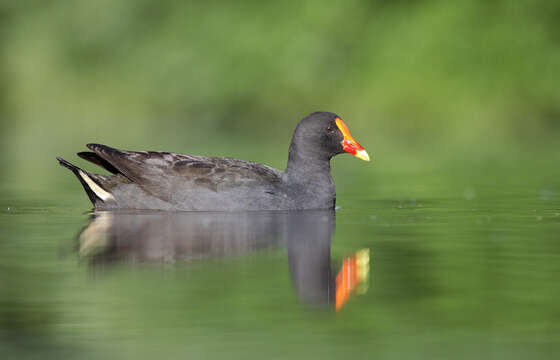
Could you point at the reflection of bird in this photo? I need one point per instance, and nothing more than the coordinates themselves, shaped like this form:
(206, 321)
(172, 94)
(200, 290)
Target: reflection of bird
(178, 236)
(114, 237)
(169, 181)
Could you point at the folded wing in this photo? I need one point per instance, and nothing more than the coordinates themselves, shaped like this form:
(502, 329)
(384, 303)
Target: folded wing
(162, 173)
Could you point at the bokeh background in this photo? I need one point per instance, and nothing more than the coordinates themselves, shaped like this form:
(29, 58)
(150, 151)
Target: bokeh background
(458, 102)
(419, 83)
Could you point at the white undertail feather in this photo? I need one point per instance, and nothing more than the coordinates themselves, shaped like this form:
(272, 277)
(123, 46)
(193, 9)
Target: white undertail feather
(102, 194)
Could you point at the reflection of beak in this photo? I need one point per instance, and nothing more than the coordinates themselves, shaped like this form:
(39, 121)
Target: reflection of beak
(349, 144)
(352, 277)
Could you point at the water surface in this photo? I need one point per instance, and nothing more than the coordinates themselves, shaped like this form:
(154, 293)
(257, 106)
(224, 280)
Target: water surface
(473, 275)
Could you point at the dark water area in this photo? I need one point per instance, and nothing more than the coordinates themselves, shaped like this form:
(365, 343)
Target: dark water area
(472, 276)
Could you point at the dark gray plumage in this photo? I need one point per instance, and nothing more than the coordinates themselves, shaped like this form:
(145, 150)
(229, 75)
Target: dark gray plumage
(169, 181)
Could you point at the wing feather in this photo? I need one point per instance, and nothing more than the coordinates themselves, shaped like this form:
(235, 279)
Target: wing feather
(162, 173)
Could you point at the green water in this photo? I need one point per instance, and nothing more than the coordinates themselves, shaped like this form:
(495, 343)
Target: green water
(463, 264)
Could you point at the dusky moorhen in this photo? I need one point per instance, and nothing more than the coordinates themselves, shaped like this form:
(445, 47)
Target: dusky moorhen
(175, 182)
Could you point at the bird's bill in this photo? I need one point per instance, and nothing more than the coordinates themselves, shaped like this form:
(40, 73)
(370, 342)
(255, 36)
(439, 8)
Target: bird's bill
(349, 144)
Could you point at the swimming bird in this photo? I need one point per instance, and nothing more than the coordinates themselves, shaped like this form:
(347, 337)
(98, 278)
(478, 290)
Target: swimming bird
(177, 182)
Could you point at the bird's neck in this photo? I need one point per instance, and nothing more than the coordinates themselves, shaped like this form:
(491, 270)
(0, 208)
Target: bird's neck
(307, 163)
(308, 175)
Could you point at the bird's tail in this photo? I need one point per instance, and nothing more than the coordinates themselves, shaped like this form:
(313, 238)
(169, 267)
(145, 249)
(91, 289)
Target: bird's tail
(92, 187)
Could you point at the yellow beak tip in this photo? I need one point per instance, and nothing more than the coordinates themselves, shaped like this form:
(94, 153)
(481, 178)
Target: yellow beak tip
(362, 154)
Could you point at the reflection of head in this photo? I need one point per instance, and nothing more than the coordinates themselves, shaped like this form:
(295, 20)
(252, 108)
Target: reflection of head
(309, 255)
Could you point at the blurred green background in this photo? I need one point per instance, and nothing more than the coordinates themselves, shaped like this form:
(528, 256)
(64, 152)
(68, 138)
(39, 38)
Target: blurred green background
(418, 82)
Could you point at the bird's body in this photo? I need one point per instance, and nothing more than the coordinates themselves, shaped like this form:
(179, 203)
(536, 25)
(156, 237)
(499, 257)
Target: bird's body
(176, 182)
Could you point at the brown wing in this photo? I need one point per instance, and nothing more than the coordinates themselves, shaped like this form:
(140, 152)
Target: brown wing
(162, 173)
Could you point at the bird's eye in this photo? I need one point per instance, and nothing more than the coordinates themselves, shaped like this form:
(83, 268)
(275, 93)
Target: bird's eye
(329, 129)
